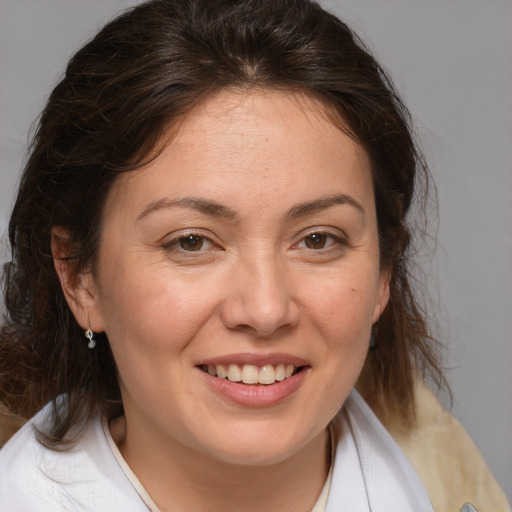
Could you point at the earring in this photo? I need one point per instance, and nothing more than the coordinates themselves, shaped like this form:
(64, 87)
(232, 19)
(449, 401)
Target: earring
(90, 336)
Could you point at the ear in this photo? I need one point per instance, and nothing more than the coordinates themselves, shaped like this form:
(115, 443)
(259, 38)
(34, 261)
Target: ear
(79, 288)
(382, 294)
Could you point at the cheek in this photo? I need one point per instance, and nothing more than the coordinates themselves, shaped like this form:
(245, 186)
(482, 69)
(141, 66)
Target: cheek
(341, 316)
(342, 309)
(151, 307)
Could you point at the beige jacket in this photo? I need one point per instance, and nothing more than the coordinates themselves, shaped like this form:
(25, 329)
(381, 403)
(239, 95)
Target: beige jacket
(446, 459)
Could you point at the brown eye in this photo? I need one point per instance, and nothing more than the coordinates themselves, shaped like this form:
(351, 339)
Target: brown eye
(191, 243)
(315, 241)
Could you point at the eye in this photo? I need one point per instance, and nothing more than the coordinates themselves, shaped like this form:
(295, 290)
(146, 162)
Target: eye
(320, 240)
(191, 242)
(316, 240)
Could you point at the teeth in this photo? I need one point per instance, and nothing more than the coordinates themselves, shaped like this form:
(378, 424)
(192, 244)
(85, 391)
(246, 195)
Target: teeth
(234, 373)
(280, 372)
(251, 374)
(267, 374)
(221, 371)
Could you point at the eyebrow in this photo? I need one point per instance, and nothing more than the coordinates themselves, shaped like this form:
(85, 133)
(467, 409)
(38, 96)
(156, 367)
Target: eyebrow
(323, 203)
(214, 209)
(207, 207)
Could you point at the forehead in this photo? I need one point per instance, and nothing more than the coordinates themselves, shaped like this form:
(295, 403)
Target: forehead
(255, 141)
(261, 115)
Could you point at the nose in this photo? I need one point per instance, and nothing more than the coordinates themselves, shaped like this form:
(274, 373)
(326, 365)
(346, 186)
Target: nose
(260, 298)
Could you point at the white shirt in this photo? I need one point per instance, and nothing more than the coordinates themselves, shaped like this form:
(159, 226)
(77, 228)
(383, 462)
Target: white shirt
(369, 473)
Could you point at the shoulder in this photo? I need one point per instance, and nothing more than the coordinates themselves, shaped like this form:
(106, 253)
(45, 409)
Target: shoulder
(84, 477)
(18, 477)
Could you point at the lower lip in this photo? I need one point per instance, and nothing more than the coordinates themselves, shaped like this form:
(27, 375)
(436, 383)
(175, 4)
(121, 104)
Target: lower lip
(258, 395)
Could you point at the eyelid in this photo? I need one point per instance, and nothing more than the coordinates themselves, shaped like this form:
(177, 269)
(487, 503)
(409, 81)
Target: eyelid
(331, 231)
(175, 237)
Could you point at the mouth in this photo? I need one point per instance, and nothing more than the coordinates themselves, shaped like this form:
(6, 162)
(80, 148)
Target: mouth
(250, 374)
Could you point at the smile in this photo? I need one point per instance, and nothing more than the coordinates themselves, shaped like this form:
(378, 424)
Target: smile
(251, 374)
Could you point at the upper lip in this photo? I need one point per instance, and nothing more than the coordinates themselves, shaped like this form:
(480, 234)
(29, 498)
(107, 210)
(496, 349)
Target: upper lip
(255, 359)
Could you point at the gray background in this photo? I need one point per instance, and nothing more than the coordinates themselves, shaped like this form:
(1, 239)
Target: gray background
(452, 61)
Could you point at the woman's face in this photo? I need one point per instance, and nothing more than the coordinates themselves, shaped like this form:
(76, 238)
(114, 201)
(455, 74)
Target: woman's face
(248, 248)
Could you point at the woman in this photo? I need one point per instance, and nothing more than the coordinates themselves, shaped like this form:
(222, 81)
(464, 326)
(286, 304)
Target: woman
(208, 237)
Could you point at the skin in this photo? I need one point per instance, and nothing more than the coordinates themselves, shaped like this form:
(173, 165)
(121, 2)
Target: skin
(270, 277)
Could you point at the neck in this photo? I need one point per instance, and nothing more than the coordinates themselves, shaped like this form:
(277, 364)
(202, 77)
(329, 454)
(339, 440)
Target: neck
(202, 483)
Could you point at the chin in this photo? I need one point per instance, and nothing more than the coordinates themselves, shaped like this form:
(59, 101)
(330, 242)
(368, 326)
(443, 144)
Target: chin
(252, 456)
(258, 446)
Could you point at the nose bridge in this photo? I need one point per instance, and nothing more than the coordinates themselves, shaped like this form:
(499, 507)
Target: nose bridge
(261, 298)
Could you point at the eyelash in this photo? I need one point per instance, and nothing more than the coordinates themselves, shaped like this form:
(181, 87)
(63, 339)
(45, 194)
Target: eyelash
(176, 243)
(328, 236)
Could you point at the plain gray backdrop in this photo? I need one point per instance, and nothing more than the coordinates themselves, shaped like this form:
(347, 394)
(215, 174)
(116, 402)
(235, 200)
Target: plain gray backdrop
(452, 62)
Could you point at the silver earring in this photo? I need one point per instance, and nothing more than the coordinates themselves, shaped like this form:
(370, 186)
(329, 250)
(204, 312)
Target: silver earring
(90, 336)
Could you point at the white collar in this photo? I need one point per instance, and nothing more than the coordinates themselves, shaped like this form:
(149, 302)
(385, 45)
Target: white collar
(371, 473)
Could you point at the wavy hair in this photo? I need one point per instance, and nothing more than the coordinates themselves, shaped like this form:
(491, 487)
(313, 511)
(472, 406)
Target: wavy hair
(139, 75)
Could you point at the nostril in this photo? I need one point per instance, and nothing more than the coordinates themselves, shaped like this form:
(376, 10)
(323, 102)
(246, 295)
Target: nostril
(259, 308)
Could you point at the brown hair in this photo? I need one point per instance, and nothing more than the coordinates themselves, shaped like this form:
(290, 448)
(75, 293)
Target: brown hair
(138, 76)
